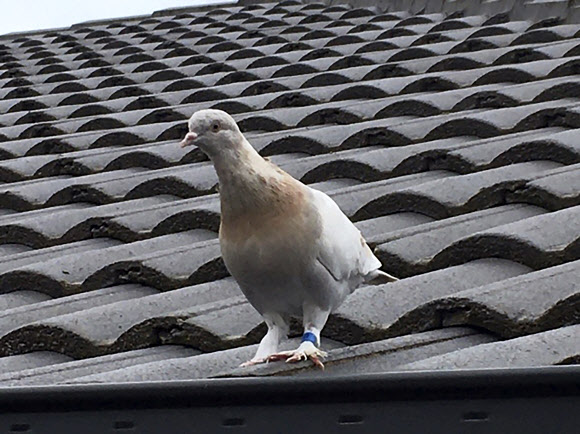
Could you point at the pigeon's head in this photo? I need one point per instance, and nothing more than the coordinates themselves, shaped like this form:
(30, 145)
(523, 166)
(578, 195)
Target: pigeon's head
(212, 131)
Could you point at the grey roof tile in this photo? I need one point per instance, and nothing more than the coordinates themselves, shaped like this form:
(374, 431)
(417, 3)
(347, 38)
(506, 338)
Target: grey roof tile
(72, 222)
(354, 199)
(106, 187)
(34, 360)
(391, 222)
(556, 241)
(414, 250)
(66, 370)
(202, 212)
(201, 366)
(453, 195)
(20, 298)
(521, 305)
(557, 189)
(217, 331)
(130, 324)
(545, 143)
(131, 220)
(134, 262)
(15, 317)
(31, 257)
(380, 356)
(541, 349)
(397, 308)
(186, 368)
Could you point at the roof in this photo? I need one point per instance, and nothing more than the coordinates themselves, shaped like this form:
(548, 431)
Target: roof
(451, 139)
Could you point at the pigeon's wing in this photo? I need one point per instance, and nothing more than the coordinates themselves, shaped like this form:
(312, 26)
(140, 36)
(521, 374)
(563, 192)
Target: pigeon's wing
(341, 248)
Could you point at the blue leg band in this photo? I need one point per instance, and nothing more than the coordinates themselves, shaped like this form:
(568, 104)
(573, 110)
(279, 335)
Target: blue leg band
(309, 337)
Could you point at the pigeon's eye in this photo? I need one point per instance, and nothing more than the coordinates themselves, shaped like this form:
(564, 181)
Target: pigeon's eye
(215, 127)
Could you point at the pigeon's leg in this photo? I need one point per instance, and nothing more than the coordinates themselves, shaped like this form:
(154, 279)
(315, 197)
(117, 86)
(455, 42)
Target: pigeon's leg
(314, 320)
(277, 329)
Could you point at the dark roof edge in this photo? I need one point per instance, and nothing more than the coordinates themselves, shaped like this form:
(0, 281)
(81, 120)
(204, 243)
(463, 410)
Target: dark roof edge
(514, 9)
(456, 385)
(200, 8)
(100, 22)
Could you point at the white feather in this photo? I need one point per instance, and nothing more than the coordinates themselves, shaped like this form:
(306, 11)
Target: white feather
(341, 247)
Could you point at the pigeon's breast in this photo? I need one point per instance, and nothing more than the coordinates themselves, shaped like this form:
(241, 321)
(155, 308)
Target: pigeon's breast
(269, 250)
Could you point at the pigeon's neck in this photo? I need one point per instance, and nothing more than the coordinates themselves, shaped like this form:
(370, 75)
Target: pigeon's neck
(250, 184)
(237, 163)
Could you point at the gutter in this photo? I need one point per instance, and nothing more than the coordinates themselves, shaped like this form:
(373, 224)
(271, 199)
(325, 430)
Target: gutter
(531, 400)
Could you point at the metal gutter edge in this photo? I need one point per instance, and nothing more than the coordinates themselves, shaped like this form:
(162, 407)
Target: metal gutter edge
(496, 400)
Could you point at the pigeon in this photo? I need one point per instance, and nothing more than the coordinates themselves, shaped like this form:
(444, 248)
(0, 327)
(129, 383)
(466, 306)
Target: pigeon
(289, 247)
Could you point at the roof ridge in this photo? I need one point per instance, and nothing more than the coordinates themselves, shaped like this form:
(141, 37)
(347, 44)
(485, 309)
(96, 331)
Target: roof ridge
(123, 19)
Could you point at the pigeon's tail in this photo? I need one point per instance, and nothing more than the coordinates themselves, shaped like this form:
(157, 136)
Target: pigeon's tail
(378, 277)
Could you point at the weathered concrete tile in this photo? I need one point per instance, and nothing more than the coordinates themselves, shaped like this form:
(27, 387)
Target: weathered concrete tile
(526, 304)
(123, 324)
(66, 370)
(412, 250)
(375, 357)
(541, 349)
(377, 312)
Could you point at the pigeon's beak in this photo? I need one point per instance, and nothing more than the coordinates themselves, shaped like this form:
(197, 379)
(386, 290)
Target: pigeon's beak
(188, 139)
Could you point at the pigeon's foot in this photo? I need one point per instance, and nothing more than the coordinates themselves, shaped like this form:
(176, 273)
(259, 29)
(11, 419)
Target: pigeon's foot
(306, 350)
(253, 362)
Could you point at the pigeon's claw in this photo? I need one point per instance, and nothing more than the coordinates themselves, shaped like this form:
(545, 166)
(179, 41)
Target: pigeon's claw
(279, 356)
(317, 362)
(298, 356)
(305, 351)
(253, 362)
